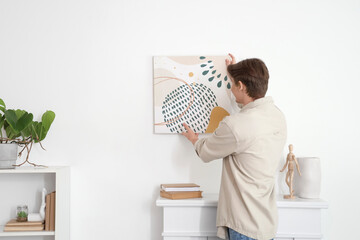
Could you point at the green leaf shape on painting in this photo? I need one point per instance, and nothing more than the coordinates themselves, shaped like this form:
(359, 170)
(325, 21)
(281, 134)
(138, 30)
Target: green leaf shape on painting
(2, 105)
(225, 78)
(202, 57)
(219, 84)
(203, 65)
(218, 76)
(228, 86)
(210, 79)
(213, 72)
(211, 67)
(210, 61)
(205, 72)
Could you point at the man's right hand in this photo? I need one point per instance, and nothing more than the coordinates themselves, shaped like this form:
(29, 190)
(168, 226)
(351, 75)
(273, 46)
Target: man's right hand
(229, 62)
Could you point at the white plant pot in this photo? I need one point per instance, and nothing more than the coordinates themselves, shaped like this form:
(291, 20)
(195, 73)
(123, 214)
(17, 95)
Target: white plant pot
(8, 155)
(309, 183)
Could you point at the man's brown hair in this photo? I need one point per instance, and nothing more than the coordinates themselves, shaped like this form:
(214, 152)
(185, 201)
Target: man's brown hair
(253, 73)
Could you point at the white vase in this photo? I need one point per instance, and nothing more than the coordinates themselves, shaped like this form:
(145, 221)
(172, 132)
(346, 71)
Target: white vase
(309, 183)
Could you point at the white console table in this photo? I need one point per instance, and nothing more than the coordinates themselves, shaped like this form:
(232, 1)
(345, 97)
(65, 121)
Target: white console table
(195, 219)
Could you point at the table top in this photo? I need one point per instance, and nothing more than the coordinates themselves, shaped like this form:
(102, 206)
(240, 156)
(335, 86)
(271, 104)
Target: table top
(211, 200)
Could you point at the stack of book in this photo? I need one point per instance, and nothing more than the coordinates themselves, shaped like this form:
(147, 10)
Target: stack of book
(14, 226)
(50, 212)
(180, 191)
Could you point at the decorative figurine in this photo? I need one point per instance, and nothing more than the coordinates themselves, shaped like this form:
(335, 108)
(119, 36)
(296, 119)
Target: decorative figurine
(41, 215)
(42, 207)
(290, 160)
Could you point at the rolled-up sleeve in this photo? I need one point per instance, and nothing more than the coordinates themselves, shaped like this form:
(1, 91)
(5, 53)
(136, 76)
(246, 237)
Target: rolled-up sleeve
(219, 145)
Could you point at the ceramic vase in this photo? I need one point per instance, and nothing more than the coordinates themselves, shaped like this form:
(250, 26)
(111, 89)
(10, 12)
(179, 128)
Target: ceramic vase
(309, 183)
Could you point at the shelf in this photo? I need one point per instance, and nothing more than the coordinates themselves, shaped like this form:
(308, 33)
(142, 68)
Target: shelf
(28, 183)
(30, 233)
(211, 200)
(50, 169)
(208, 200)
(301, 203)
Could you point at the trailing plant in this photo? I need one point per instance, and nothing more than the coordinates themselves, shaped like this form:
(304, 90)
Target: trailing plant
(17, 126)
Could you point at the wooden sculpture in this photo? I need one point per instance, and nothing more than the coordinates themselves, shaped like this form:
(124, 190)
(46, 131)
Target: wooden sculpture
(290, 160)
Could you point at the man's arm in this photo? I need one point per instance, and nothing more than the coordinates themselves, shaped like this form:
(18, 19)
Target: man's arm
(219, 145)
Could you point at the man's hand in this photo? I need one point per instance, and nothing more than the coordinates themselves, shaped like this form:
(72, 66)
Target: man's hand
(229, 62)
(189, 134)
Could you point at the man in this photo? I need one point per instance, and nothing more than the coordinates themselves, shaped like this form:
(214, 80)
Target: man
(251, 143)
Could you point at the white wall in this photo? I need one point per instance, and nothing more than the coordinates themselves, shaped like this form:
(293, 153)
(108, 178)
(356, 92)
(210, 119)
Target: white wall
(91, 63)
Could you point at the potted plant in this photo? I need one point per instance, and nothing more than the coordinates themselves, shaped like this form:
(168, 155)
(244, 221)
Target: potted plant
(22, 213)
(17, 128)
(22, 216)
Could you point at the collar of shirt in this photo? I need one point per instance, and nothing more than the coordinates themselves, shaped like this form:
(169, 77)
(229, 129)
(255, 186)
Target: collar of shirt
(257, 102)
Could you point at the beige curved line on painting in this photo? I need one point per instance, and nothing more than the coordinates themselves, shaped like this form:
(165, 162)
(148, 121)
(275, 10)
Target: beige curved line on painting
(188, 107)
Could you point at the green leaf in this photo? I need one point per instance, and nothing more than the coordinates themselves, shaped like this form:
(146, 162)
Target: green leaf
(18, 120)
(2, 121)
(2, 105)
(24, 121)
(10, 132)
(12, 119)
(43, 127)
(27, 131)
(39, 132)
(47, 119)
(19, 113)
(37, 128)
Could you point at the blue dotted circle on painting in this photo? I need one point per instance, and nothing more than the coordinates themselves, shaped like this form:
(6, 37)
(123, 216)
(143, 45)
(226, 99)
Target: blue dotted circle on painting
(197, 116)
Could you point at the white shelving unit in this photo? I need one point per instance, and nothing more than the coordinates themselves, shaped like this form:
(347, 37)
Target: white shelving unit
(195, 219)
(23, 185)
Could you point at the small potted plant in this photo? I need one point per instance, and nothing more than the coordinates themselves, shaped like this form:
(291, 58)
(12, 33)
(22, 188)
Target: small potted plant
(17, 128)
(22, 213)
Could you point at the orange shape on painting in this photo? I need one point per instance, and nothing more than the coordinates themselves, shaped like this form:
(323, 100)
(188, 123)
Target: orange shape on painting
(216, 116)
(191, 74)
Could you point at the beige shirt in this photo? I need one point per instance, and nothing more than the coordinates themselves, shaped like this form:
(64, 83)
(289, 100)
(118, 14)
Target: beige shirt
(251, 143)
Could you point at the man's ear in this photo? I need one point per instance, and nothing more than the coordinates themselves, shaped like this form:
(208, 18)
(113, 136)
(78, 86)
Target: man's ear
(241, 85)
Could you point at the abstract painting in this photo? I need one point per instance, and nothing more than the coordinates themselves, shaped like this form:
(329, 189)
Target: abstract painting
(190, 89)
